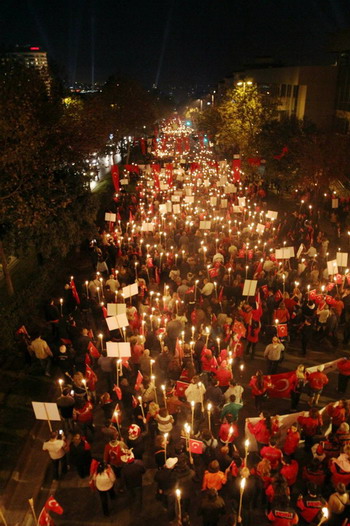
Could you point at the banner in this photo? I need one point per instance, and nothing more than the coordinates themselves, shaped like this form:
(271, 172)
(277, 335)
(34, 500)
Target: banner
(236, 167)
(155, 173)
(115, 176)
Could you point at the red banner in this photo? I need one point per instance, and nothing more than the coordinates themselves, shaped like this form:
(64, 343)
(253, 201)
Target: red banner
(180, 388)
(132, 168)
(195, 446)
(155, 173)
(280, 385)
(115, 176)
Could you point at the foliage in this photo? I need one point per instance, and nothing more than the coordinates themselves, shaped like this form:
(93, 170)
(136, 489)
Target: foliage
(208, 121)
(244, 112)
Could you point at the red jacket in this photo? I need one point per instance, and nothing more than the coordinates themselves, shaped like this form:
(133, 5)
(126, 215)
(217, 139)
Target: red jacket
(224, 376)
(316, 477)
(344, 366)
(291, 443)
(225, 430)
(337, 414)
(260, 431)
(84, 414)
(209, 365)
(253, 336)
(290, 472)
(309, 425)
(317, 380)
(273, 454)
(310, 507)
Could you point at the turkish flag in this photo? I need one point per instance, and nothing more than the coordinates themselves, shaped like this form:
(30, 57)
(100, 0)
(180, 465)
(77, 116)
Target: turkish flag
(93, 350)
(330, 287)
(74, 291)
(52, 505)
(339, 279)
(44, 518)
(312, 294)
(115, 176)
(118, 392)
(282, 330)
(104, 311)
(195, 446)
(213, 272)
(180, 388)
(280, 385)
(278, 295)
(139, 379)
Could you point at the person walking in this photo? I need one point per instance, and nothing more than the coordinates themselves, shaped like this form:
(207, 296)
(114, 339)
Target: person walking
(104, 480)
(56, 447)
(80, 455)
(42, 352)
(273, 354)
(131, 474)
(258, 385)
(344, 374)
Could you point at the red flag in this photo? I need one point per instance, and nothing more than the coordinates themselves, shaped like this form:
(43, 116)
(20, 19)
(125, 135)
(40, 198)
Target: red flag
(312, 294)
(44, 518)
(213, 272)
(115, 177)
(74, 291)
(87, 359)
(236, 167)
(138, 382)
(180, 388)
(118, 391)
(93, 466)
(155, 173)
(22, 330)
(91, 378)
(91, 334)
(143, 146)
(330, 287)
(254, 161)
(278, 295)
(338, 279)
(104, 311)
(135, 401)
(239, 328)
(282, 154)
(280, 385)
(132, 168)
(221, 294)
(282, 330)
(265, 290)
(52, 505)
(195, 446)
(93, 350)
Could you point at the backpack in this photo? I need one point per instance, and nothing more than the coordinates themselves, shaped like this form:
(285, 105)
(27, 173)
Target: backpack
(209, 453)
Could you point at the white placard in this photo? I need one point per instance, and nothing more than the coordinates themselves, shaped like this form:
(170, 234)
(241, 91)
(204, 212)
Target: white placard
(223, 203)
(188, 191)
(205, 225)
(342, 259)
(122, 319)
(118, 349)
(130, 290)
(169, 207)
(110, 217)
(46, 411)
(260, 228)
(206, 182)
(230, 189)
(116, 308)
(285, 253)
(189, 199)
(163, 186)
(332, 267)
(162, 209)
(335, 203)
(300, 250)
(147, 227)
(213, 201)
(237, 209)
(272, 214)
(223, 181)
(175, 198)
(177, 209)
(124, 181)
(249, 287)
(241, 201)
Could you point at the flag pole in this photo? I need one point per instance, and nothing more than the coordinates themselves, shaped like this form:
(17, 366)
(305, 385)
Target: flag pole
(31, 505)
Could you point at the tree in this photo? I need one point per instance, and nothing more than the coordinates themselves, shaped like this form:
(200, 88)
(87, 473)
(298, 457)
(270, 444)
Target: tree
(244, 112)
(44, 195)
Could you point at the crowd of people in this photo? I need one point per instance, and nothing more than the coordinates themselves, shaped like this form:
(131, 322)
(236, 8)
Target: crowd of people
(174, 404)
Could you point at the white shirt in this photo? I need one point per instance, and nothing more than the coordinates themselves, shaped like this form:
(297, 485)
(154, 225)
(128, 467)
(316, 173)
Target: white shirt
(105, 480)
(207, 289)
(195, 393)
(113, 284)
(54, 448)
(236, 390)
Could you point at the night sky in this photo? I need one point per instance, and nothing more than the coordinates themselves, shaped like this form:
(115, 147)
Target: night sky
(200, 41)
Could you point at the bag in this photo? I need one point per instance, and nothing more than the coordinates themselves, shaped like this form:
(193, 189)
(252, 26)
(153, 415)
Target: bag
(209, 453)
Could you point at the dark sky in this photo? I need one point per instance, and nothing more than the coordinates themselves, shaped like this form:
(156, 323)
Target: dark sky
(201, 40)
